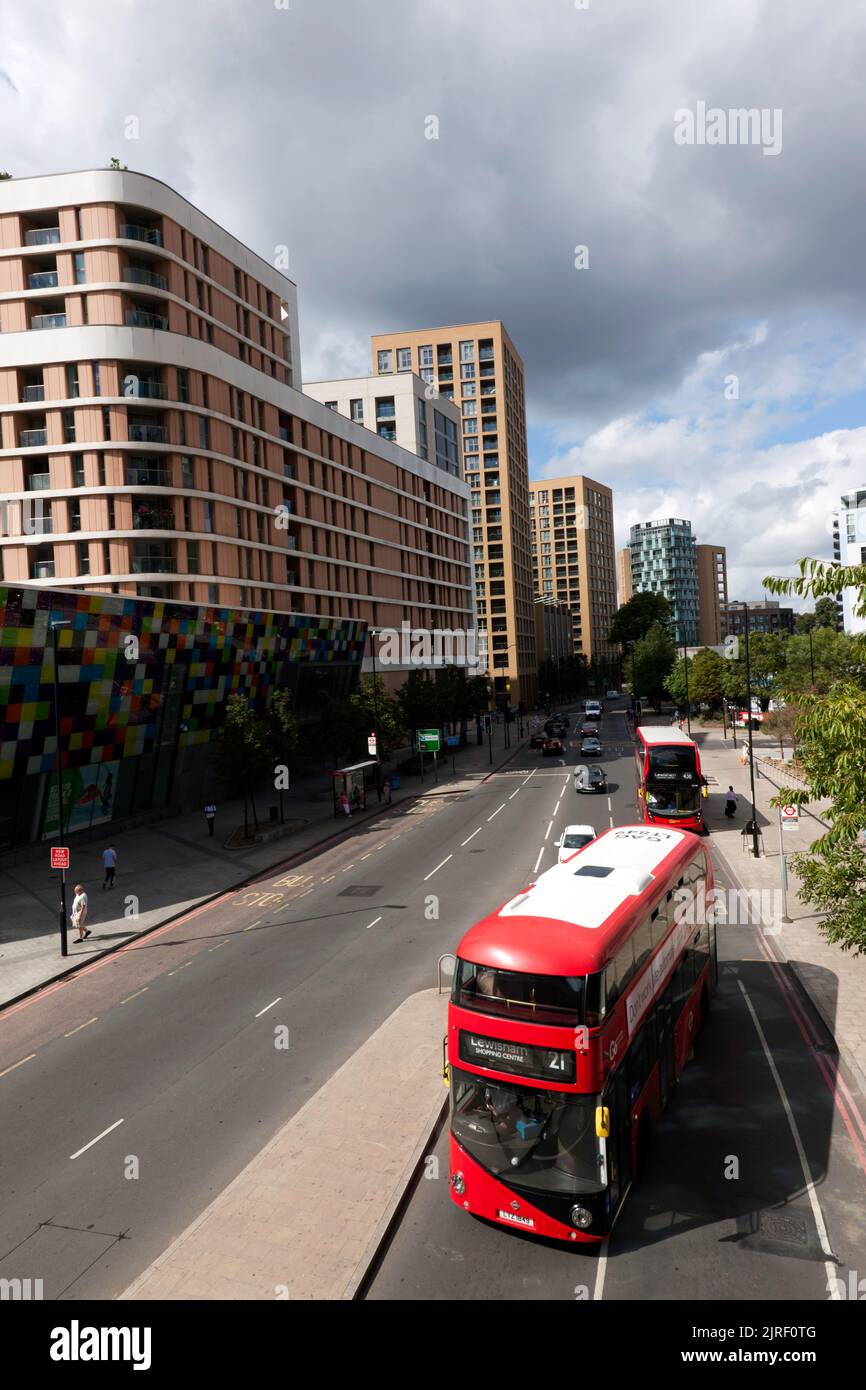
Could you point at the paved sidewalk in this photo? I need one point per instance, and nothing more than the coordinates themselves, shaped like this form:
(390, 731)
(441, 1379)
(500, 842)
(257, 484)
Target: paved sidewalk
(834, 979)
(170, 866)
(303, 1220)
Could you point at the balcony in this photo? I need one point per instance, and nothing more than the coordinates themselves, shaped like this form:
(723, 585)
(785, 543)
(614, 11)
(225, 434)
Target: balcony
(385, 411)
(133, 231)
(42, 280)
(38, 482)
(445, 359)
(42, 236)
(145, 476)
(150, 516)
(34, 393)
(31, 439)
(147, 434)
(148, 390)
(43, 569)
(137, 275)
(153, 562)
(140, 318)
(42, 525)
(40, 321)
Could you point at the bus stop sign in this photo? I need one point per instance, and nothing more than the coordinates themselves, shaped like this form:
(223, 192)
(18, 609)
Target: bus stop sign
(790, 817)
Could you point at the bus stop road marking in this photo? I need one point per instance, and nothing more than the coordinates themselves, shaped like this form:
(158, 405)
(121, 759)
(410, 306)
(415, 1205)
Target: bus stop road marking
(269, 1006)
(438, 867)
(79, 1152)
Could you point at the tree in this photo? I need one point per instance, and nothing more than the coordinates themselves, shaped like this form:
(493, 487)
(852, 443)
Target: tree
(243, 752)
(416, 702)
(826, 613)
(767, 655)
(283, 737)
(804, 622)
(114, 163)
(653, 660)
(706, 679)
(823, 579)
(633, 619)
(455, 698)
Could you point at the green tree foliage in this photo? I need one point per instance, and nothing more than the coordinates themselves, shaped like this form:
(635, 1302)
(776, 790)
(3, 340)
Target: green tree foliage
(244, 752)
(653, 660)
(767, 659)
(706, 679)
(634, 619)
(114, 163)
(826, 613)
(283, 736)
(417, 703)
(804, 622)
(822, 579)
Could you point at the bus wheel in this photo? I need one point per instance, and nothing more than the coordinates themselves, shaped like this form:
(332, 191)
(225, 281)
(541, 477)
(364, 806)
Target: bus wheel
(642, 1146)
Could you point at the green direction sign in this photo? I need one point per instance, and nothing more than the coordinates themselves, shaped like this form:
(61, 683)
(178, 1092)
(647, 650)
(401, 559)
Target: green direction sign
(428, 740)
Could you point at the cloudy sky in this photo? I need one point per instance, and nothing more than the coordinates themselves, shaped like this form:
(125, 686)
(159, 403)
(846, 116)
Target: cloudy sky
(710, 360)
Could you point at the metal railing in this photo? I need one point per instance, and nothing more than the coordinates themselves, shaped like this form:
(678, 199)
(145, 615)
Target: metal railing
(136, 275)
(38, 482)
(138, 318)
(149, 390)
(40, 321)
(44, 570)
(153, 564)
(147, 477)
(34, 393)
(132, 231)
(42, 236)
(150, 519)
(148, 434)
(30, 439)
(42, 280)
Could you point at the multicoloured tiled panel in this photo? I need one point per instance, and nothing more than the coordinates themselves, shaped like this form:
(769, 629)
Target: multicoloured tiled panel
(111, 697)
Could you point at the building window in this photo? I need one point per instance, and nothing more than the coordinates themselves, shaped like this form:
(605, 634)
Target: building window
(97, 381)
(83, 557)
(404, 359)
(384, 359)
(356, 409)
(208, 519)
(211, 593)
(446, 442)
(80, 276)
(467, 370)
(422, 428)
(467, 352)
(106, 422)
(69, 426)
(425, 357)
(203, 432)
(182, 384)
(331, 405)
(72, 389)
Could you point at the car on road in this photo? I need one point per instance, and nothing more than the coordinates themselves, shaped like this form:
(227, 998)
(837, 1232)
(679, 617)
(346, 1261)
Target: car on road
(537, 739)
(554, 728)
(613, 695)
(590, 748)
(590, 779)
(553, 748)
(593, 709)
(588, 729)
(573, 838)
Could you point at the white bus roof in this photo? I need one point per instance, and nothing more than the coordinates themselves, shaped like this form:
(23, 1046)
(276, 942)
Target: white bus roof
(568, 893)
(663, 733)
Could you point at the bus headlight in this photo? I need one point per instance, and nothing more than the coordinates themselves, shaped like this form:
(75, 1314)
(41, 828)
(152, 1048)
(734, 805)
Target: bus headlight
(459, 1184)
(581, 1217)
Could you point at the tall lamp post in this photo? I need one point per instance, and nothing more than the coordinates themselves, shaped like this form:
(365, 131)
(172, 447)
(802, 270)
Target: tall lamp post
(686, 670)
(374, 633)
(54, 625)
(755, 848)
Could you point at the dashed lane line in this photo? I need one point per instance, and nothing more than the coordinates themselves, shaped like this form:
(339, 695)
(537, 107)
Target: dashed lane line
(135, 996)
(217, 946)
(251, 925)
(79, 1152)
(472, 836)
(438, 867)
(18, 1064)
(373, 923)
(547, 832)
(538, 860)
(269, 1006)
(496, 812)
(180, 967)
(80, 1026)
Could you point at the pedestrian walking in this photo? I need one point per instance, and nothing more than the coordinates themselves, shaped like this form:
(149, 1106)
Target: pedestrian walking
(210, 816)
(109, 863)
(386, 788)
(730, 803)
(78, 915)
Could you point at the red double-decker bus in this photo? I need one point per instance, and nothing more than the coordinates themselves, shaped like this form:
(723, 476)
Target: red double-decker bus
(573, 1011)
(669, 779)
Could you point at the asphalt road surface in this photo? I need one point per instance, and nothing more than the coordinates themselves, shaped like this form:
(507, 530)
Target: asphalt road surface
(133, 1093)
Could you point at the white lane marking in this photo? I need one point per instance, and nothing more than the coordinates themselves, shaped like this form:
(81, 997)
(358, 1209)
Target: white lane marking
(180, 967)
(135, 996)
(817, 1214)
(513, 794)
(472, 836)
(303, 895)
(80, 1026)
(532, 774)
(352, 865)
(547, 832)
(329, 879)
(538, 860)
(18, 1064)
(364, 856)
(601, 1270)
(79, 1152)
(269, 1006)
(373, 923)
(496, 812)
(438, 867)
(254, 924)
(217, 946)
(611, 822)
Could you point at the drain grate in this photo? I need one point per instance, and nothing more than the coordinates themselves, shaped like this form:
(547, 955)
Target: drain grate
(774, 1231)
(360, 890)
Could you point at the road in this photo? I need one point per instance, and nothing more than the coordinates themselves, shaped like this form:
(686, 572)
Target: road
(764, 1091)
(133, 1093)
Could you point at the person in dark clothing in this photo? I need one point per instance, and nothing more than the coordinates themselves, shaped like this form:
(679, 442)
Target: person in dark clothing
(730, 803)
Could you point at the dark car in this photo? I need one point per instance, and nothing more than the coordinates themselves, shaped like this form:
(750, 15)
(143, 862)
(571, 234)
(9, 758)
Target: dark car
(588, 730)
(590, 779)
(538, 740)
(552, 748)
(590, 748)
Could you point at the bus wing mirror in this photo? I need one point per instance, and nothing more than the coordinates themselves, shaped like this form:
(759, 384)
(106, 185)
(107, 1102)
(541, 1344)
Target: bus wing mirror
(602, 1122)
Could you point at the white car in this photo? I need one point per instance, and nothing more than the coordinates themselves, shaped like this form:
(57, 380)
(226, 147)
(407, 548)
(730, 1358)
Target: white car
(613, 695)
(573, 838)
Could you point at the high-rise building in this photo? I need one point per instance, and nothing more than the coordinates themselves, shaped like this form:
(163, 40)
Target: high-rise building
(849, 548)
(155, 441)
(663, 561)
(712, 593)
(400, 410)
(623, 575)
(478, 367)
(573, 557)
(553, 631)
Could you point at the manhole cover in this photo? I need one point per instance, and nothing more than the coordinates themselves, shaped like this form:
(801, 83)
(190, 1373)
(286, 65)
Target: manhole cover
(773, 1231)
(360, 890)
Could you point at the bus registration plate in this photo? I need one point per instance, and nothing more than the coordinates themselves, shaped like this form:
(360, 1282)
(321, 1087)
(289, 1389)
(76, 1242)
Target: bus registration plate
(515, 1220)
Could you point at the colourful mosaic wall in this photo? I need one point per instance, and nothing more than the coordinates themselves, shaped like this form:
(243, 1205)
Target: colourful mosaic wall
(115, 658)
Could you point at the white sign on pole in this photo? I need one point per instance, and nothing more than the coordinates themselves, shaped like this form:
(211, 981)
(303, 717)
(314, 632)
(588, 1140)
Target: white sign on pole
(790, 817)
(371, 745)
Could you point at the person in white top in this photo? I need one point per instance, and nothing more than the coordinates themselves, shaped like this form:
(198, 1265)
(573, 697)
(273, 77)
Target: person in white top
(79, 912)
(109, 863)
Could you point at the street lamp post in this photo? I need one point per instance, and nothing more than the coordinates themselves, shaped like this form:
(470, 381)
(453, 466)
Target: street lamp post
(54, 625)
(686, 670)
(374, 633)
(755, 849)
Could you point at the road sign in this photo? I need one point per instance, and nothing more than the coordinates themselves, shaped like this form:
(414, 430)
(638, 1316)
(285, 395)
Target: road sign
(59, 857)
(790, 817)
(371, 745)
(453, 740)
(428, 740)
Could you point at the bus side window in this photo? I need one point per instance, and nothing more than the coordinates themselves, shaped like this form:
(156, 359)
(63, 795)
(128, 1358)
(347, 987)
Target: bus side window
(641, 1060)
(643, 943)
(624, 966)
(611, 985)
(659, 922)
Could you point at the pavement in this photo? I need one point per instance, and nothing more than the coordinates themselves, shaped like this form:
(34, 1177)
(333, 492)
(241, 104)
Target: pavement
(834, 979)
(171, 867)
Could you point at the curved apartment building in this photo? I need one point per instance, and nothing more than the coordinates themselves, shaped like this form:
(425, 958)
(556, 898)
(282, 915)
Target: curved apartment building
(155, 441)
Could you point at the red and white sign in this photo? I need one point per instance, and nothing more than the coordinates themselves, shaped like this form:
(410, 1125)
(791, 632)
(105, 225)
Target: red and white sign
(371, 745)
(59, 857)
(790, 817)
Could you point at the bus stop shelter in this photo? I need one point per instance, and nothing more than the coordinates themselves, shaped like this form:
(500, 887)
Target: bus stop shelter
(353, 781)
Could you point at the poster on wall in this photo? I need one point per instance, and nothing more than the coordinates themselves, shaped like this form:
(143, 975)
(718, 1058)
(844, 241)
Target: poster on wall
(88, 798)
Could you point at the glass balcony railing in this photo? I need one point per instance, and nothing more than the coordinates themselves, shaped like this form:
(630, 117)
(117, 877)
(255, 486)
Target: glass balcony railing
(284, 435)
(147, 477)
(135, 275)
(132, 231)
(42, 236)
(139, 318)
(42, 280)
(43, 569)
(150, 390)
(38, 482)
(39, 321)
(31, 439)
(153, 564)
(34, 393)
(384, 411)
(42, 525)
(152, 519)
(148, 434)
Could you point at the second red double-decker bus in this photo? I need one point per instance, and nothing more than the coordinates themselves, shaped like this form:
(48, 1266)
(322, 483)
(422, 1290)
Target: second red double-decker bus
(669, 779)
(573, 1010)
